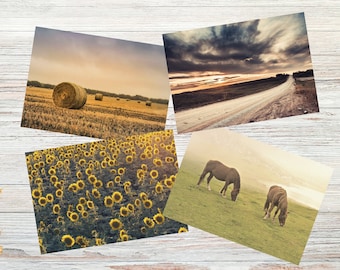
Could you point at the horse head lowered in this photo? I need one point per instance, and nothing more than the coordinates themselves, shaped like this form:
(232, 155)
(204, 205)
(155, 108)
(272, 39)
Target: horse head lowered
(222, 173)
(277, 196)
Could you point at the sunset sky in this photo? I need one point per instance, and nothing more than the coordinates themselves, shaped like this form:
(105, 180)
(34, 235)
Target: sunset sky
(111, 65)
(259, 47)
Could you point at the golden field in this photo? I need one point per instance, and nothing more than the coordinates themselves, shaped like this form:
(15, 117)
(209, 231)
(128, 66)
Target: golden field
(108, 118)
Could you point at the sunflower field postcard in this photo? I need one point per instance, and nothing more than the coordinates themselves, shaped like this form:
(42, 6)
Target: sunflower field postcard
(103, 192)
(248, 192)
(240, 73)
(95, 86)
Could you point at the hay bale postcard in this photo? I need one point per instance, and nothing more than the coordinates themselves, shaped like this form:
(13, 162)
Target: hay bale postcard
(103, 192)
(95, 86)
(240, 73)
(248, 192)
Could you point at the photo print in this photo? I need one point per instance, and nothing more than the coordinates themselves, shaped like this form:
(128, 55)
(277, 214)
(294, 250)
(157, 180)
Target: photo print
(248, 192)
(95, 86)
(103, 192)
(240, 73)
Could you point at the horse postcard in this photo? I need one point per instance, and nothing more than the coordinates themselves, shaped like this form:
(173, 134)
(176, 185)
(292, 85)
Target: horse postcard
(103, 192)
(240, 73)
(95, 86)
(248, 192)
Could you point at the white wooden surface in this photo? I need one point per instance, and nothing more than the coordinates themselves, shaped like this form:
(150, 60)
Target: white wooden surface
(315, 136)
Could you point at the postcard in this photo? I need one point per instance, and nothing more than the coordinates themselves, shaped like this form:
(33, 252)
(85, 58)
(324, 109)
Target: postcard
(95, 86)
(248, 192)
(240, 73)
(103, 192)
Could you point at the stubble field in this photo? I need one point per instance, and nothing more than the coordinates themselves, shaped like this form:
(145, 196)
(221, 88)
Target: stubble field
(111, 117)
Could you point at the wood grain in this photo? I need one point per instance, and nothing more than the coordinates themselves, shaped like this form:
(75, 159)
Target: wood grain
(315, 136)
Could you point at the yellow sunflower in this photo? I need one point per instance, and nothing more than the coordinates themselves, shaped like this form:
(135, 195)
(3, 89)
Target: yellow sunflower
(36, 193)
(82, 200)
(73, 216)
(49, 197)
(90, 204)
(73, 187)
(96, 193)
(137, 203)
(159, 218)
(82, 241)
(182, 229)
(80, 208)
(59, 193)
(68, 240)
(129, 159)
(84, 214)
(117, 196)
(159, 188)
(147, 203)
(157, 162)
(117, 179)
(108, 201)
(143, 196)
(80, 184)
(110, 184)
(56, 209)
(149, 222)
(121, 171)
(154, 174)
(98, 184)
(53, 179)
(42, 201)
(131, 207)
(124, 211)
(92, 178)
(115, 224)
(79, 174)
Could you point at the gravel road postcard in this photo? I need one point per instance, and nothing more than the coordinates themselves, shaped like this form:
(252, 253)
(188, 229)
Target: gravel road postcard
(240, 73)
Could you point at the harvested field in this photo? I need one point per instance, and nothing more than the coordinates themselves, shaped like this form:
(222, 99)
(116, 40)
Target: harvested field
(109, 118)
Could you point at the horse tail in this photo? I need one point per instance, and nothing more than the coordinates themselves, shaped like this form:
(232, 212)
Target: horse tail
(266, 205)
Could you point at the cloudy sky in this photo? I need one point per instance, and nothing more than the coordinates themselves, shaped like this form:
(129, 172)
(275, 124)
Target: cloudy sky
(266, 46)
(100, 63)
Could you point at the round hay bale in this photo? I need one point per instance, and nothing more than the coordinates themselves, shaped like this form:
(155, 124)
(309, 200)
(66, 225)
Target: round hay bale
(148, 103)
(69, 95)
(98, 96)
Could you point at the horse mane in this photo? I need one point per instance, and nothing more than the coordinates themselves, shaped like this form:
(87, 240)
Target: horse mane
(283, 202)
(237, 182)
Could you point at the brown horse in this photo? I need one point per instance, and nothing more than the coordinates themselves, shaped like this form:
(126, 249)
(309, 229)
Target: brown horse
(277, 196)
(222, 173)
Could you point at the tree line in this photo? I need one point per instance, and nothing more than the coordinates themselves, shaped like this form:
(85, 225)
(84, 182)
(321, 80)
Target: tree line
(93, 92)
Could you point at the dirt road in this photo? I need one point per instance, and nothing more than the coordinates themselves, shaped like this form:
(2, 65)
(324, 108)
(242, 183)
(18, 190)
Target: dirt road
(236, 111)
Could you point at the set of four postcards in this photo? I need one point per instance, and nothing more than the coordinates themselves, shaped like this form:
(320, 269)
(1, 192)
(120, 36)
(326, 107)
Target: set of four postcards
(129, 185)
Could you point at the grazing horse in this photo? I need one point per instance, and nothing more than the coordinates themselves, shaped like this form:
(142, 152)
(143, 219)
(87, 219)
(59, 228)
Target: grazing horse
(222, 173)
(277, 196)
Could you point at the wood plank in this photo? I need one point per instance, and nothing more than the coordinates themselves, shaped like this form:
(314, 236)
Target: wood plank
(315, 136)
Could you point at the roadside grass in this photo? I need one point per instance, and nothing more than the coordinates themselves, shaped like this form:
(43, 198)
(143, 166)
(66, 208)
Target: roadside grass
(194, 99)
(241, 221)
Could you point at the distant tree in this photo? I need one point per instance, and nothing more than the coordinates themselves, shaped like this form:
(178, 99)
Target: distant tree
(307, 73)
(34, 83)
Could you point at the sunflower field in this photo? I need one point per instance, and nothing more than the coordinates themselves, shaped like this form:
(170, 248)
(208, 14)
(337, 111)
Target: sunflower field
(103, 192)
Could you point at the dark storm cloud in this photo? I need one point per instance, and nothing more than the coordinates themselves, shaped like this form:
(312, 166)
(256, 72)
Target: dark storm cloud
(235, 48)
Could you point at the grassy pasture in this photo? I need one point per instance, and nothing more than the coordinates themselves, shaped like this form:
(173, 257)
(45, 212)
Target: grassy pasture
(241, 221)
(108, 118)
